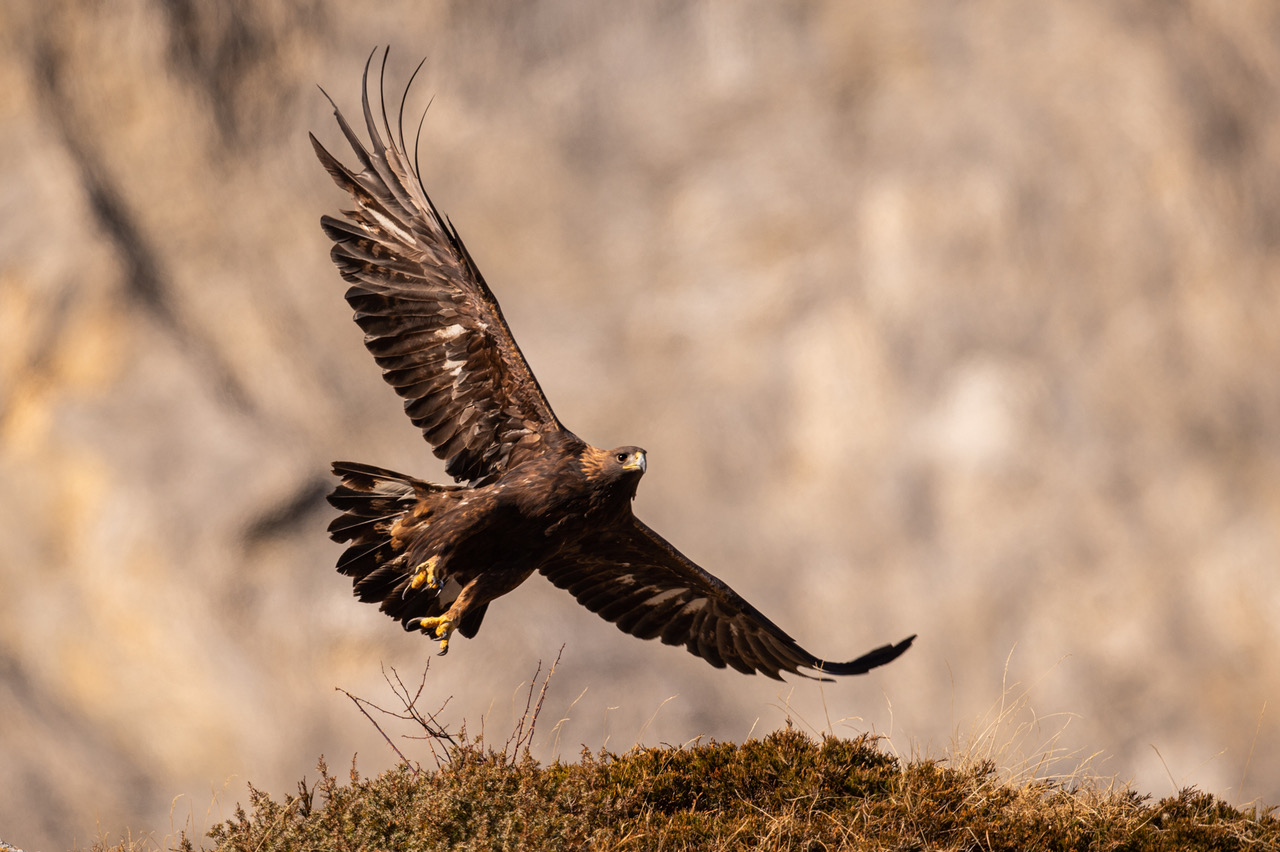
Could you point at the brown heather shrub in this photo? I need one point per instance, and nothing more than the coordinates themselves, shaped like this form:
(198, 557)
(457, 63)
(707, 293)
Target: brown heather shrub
(786, 791)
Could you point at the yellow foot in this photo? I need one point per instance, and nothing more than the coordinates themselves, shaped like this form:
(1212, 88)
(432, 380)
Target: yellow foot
(426, 575)
(440, 625)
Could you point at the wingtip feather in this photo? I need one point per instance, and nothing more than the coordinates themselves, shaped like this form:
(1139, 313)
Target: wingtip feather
(868, 661)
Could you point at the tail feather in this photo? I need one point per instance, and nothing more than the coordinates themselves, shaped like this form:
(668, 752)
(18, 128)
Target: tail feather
(382, 583)
(372, 499)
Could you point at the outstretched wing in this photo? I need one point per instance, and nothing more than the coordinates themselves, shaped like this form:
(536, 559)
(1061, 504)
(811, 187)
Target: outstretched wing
(630, 575)
(429, 319)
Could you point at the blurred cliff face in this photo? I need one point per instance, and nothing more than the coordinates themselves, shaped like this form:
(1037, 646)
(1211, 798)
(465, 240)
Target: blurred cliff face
(953, 323)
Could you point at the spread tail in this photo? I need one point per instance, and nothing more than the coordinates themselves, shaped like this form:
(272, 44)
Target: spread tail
(373, 502)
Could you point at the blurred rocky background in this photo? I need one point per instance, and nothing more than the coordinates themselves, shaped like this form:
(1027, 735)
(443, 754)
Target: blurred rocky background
(953, 319)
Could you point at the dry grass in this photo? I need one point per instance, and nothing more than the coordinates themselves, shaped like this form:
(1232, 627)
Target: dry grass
(785, 791)
(999, 789)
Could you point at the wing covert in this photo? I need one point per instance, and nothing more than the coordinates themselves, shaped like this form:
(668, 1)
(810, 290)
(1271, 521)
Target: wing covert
(631, 576)
(430, 321)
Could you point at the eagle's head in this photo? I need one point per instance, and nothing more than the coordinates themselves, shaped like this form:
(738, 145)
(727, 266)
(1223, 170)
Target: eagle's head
(614, 471)
(629, 459)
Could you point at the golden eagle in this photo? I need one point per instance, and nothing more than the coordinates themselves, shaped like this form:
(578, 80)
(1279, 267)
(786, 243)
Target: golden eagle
(532, 495)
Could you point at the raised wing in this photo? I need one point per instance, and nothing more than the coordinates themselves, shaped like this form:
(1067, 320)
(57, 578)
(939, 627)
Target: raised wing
(429, 319)
(631, 576)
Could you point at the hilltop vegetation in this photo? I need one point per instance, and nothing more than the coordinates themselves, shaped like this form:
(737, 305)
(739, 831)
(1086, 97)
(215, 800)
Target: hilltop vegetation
(786, 791)
(789, 790)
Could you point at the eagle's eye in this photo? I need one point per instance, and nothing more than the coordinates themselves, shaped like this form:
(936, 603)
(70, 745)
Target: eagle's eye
(621, 457)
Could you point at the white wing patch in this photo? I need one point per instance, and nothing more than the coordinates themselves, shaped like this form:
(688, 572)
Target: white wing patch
(390, 225)
(665, 596)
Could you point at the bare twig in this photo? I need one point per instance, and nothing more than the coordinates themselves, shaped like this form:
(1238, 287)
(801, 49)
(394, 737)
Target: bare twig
(542, 695)
(360, 702)
(428, 722)
(429, 725)
(521, 738)
(517, 734)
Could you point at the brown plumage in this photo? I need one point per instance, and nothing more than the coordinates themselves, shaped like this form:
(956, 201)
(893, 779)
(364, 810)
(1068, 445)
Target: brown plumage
(534, 496)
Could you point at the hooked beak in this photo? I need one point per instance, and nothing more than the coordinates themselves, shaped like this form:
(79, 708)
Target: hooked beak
(635, 461)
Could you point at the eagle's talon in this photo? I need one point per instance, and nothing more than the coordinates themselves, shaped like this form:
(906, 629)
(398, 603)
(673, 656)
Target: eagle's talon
(444, 629)
(438, 626)
(425, 576)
